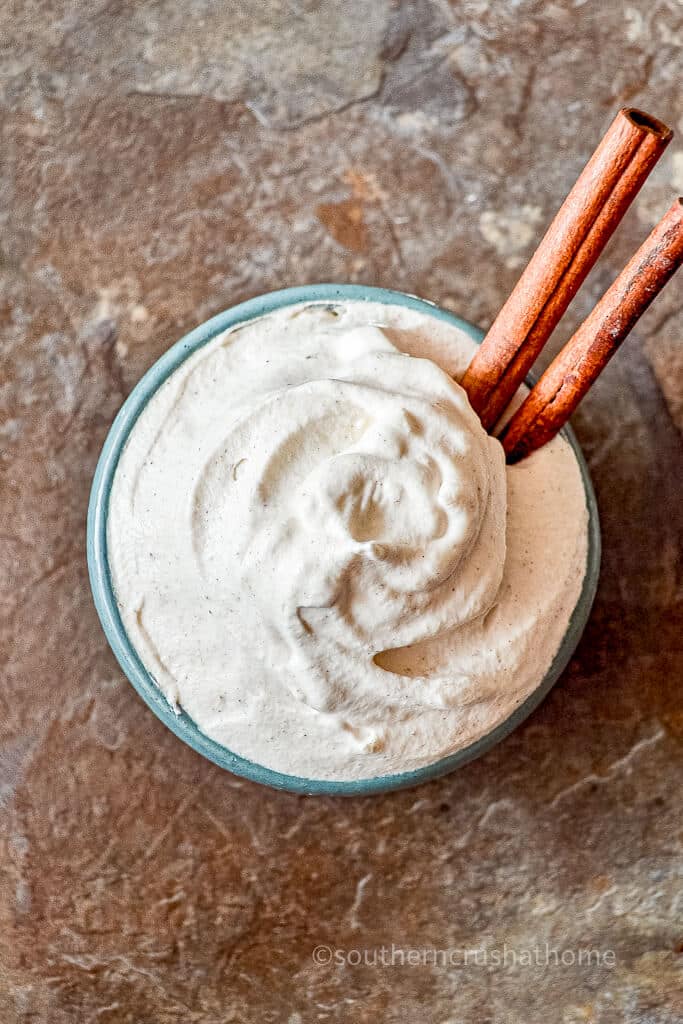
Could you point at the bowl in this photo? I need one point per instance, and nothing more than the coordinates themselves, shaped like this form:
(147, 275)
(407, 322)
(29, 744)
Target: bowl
(105, 602)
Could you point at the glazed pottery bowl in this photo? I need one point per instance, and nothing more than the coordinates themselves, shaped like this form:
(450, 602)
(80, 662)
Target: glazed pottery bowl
(105, 601)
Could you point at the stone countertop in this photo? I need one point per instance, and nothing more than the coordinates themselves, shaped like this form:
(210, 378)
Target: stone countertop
(160, 163)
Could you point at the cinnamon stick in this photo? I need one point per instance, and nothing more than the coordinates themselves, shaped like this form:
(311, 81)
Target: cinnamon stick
(584, 224)
(552, 401)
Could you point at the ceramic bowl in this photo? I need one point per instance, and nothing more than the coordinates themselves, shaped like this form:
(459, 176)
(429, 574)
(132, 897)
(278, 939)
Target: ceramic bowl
(105, 602)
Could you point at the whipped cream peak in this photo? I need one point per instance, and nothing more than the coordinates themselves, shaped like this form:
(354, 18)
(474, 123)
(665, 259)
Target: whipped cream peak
(308, 536)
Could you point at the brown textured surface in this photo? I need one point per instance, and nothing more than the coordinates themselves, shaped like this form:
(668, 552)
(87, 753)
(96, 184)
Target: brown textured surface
(156, 168)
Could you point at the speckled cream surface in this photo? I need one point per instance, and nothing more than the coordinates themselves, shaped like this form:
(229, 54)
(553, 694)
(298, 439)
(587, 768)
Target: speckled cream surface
(320, 555)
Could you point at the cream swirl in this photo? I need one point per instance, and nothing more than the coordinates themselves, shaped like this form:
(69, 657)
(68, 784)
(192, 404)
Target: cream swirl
(320, 555)
(359, 507)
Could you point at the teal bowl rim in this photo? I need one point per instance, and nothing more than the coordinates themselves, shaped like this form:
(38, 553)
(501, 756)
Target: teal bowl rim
(105, 602)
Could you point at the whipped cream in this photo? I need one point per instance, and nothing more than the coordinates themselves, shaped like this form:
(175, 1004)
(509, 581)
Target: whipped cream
(320, 555)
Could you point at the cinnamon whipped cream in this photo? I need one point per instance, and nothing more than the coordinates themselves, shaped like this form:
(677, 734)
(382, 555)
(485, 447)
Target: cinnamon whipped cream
(321, 556)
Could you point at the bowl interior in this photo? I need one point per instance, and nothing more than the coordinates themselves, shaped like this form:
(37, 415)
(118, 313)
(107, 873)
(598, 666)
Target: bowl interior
(100, 579)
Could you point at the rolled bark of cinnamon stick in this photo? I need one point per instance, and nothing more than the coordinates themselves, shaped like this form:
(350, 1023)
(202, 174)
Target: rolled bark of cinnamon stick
(584, 224)
(558, 392)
